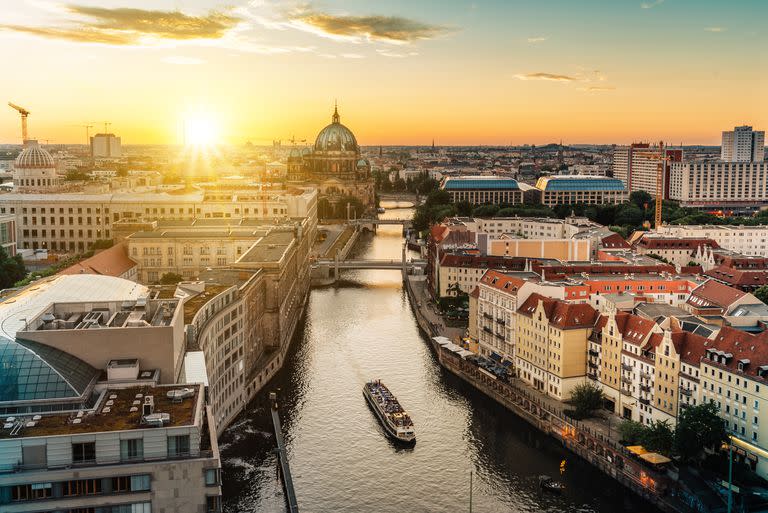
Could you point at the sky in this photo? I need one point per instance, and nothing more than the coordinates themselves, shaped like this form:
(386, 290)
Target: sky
(402, 71)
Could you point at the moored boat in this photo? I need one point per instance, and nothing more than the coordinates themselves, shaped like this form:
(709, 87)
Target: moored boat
(395, 420)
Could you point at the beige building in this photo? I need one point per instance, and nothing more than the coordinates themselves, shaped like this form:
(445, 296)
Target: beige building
(716, 185)
(495, 314)
(746, 240)
(551, 345)
(558, 249)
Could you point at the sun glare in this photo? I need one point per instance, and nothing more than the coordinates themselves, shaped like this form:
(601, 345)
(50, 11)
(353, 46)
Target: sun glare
(201, 131)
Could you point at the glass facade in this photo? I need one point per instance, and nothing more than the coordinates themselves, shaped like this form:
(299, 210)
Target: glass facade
(30, 371)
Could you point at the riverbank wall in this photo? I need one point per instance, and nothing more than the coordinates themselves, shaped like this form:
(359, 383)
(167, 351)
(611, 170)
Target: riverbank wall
(608, 456)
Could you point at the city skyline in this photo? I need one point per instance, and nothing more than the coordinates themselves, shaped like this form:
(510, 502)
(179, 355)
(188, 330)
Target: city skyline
(461, 73)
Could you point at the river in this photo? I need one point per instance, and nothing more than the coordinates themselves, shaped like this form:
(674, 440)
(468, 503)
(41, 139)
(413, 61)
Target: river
(363, 328)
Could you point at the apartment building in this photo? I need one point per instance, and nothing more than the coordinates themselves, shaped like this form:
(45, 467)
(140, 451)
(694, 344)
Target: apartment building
(742, 144)
(679, 250)
(515, 246)
(730, 187)
(745, 240)
(72, 222)
(139, 448)
(496, 314)
(637, 166)
(571, 190)
(551, 345)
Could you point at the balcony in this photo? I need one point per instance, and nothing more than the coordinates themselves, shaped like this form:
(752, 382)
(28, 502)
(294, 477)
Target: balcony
(488, 330)
(592, 376)
(501, 321)
(488, 316)
(626, 392)
(592, 365)
(686, 391)
(645, 401)
(645, 388)
(592, 352)
(500, 335)
(645, 375)
(626, 380)
(626, 367)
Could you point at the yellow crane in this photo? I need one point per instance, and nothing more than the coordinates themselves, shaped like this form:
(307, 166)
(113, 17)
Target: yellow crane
(24, 113)
(662, 158)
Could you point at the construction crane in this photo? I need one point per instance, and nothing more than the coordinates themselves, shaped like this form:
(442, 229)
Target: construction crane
(24, 113)
(106, 127)
(87, 132)
(293, 140)
(661, 166)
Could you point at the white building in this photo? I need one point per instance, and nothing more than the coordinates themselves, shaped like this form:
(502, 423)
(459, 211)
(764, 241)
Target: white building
(34, 170)
(106, 146)
(742, 144)
(637, 166)
(720, 185)
(747, 240)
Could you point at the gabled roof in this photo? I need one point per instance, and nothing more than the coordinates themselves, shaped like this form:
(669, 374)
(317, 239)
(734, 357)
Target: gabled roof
(110, 262)
(712, 294)
(614, 241)
(633, 328)
(741, 346)
(561, 314)
(739, 277)
(502, 281)
(689, 243)
(690, 346)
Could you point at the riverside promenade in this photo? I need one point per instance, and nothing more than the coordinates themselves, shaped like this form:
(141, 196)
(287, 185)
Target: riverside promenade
(594, 440)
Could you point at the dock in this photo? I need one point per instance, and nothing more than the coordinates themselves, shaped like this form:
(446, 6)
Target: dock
(285, 469)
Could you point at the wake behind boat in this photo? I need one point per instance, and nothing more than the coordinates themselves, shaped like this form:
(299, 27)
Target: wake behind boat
(396, 421)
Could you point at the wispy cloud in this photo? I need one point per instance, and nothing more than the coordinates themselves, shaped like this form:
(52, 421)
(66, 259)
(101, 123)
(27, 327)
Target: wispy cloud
(388, 29)
(538, 39)
(182, 60)
(715, 29)
(127, 26)
(546, 76)
(397, 55)
(651, 4)
(599, 89)
(352, 56)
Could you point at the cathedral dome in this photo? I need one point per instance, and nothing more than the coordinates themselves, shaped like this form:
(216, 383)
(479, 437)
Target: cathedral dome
(336, 137)
(34, 157)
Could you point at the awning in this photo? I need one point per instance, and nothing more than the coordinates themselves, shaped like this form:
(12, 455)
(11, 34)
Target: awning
(442, 340)
(495, 356)
(506, 363)
(655, 458)
(637, 449)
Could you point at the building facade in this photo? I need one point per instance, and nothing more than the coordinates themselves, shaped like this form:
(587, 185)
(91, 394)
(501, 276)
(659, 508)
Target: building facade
(742, 144)
(590, 190)
(729, 187)
(480, 190)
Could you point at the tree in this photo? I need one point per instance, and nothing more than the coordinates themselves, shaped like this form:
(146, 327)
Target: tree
(12, 269)
(464, 208)
(170, 279)
(658, 437)
(641, 199)
(586, 398)
(762, 294)
(485, 211)
(698, 428)
(629, 214)
(631, 432)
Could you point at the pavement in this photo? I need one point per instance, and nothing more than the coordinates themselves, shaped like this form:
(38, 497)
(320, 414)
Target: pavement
(334, 231)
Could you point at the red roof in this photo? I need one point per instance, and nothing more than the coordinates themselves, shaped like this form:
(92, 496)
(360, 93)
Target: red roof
(110, 262)
(614, 241)
(561, 314)
(490, 262)
(690, 346)
(739, 278)
(689, 243)
(741, 346)
(742, 262)
(501, 281)
(712, 294)
(633, 328)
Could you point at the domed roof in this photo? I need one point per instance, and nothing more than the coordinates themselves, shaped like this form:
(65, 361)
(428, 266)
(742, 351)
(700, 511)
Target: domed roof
(34, 157)
(336, 137)
(362, 163)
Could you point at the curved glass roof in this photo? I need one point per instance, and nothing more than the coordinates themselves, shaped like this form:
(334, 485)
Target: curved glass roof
(453, 184)
(30, 370)
(579, 183)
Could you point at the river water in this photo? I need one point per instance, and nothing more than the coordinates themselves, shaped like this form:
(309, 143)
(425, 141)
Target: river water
(363, 328)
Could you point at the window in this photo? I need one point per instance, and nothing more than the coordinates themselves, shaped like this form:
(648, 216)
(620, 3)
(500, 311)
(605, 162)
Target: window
(131, 449)
(178, 446)
(81, 487)
(29, 492)
(84, 452)
(213, 504)
(212, 476)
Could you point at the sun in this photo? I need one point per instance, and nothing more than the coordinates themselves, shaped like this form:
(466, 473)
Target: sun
(201, 131)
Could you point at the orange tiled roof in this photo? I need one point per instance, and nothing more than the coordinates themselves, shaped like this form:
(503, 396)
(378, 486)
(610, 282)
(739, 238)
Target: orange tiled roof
(110, 262)
(561, 314)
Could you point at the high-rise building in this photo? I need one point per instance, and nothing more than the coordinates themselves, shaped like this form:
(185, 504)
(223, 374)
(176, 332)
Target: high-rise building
(106, 146)
(742, 144)
(637, 166)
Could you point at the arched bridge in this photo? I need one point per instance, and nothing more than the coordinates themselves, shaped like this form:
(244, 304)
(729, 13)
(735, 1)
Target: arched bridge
(371, 224)
(408, 265)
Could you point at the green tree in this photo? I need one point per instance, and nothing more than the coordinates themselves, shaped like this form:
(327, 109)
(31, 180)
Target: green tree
(464, 208)
(698, 428)
(641, 199)
(170, 279)
(586, 398)
(438, 197)
(631, 432)
(658, 437)
(762, 294)
(629, 214)
(485, 211)
(12, 269)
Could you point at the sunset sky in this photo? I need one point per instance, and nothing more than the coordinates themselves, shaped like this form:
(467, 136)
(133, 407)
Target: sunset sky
(403, 71)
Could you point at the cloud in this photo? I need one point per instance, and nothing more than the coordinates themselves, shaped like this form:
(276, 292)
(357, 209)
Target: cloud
(546, 76)
(126, 26)
(599, 89)
(715, 29)
(352, 56)
(389, 29)
(651, 4)
(182, 61)
(397, 55)
(538, 39)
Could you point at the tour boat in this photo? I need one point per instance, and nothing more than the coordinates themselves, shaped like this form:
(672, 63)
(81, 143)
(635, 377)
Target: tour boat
(396, 421)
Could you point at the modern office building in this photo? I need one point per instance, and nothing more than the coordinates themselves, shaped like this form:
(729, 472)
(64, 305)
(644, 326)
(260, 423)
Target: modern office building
(479, 190)
(742, 144)
(727, 187)
(106, 146)
(571, 190)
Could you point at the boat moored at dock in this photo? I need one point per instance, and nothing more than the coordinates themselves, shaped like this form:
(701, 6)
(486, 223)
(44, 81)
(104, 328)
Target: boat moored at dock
(395, 420)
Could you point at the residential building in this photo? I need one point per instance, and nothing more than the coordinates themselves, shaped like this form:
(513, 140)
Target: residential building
(113, 261)
(106, 145)
(722, 187)
(515, 246)
(744, 240)
(496, 314)
(742, 144)
(8, 233)
(677, 250)
(571, 190)
(551, 344)
(715, 298)
(637, 166)
(480, 190)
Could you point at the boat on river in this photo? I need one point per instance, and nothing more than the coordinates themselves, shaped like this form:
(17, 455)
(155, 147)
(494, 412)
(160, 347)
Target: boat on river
(395, 420)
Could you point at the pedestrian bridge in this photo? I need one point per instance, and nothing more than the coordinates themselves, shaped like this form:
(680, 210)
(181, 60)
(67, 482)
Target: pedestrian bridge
(408, 265)
(372, 224)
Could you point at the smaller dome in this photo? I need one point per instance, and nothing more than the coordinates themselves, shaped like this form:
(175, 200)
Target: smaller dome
(362, 163)
(295, 152)
(336, 137)
(34, 157)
